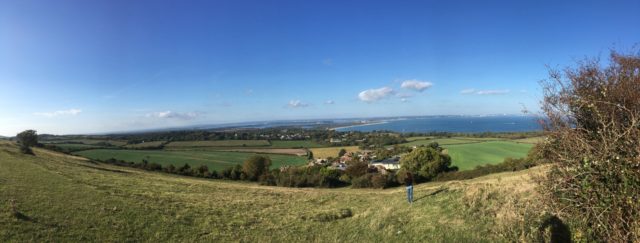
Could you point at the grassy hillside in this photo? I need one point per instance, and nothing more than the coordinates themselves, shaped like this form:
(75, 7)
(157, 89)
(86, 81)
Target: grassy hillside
(64, 198)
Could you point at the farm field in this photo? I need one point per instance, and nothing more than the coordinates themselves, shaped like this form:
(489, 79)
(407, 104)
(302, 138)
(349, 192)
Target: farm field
(151, 144)
(532, 140)
(295, 144)
(89, 142)
(331, 151)
(215, 160)
(468, 156)
(71, 147)
(288, 151)
(218, 143)
(62, 198)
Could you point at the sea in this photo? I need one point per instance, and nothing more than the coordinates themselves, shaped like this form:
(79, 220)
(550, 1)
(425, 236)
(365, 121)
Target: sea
(459, 124)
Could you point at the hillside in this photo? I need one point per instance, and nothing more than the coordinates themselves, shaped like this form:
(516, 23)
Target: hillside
(64, 198)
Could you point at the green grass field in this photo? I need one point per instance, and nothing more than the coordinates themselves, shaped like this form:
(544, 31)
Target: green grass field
(61, 198)
(215, 160)
(71, 147)
(152, 144)
(295, 144)
(468, 156)
(89, 141)
(218, 143)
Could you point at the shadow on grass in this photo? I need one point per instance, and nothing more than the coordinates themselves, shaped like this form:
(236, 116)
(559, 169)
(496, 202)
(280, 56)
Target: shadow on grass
(23, 217)
(439, 190)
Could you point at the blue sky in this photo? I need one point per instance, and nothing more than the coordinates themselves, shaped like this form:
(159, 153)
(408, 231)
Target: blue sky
(99, 66)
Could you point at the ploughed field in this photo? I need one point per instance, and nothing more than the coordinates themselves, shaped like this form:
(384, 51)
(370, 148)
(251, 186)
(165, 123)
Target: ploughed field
(53, 197)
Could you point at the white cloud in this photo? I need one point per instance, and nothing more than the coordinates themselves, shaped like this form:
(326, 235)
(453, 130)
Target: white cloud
(327, 62)
(404, 100)
(372, 95)
(72, 112)
(416, 85)
(173, 115)
(296, 104)
(485, 92)
(329, 102)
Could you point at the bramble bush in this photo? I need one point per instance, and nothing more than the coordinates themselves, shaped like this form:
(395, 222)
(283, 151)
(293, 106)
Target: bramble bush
(593, 129)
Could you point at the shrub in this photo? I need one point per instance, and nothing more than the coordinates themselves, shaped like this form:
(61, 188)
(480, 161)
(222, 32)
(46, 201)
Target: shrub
(379, 181)
(593, 129)
(255, 166)
(26, 140)
(357, 169)
(363, 181)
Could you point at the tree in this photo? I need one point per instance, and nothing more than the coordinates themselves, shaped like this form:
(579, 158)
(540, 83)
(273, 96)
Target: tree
(26, 140)
(425, 163)
(342, 152)
(592, 125)
(255, 166)
(309, 155)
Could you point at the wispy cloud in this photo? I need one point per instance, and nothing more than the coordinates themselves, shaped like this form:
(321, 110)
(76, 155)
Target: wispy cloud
(327, 61)
(416, 85)
(372, 95)
(296, 104)
(71, 112)
(173, 115)
(329, 102)
(485, 92)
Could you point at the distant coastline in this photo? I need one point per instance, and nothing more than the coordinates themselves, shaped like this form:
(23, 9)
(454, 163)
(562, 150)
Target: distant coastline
(360, 125)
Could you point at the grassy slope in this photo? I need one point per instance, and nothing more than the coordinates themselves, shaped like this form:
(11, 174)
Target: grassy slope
(468, 156)
(64, 198)
(216, 160)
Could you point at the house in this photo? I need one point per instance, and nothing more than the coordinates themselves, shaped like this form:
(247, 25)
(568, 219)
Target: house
(339, 166)
(388, 164)
(335, 140)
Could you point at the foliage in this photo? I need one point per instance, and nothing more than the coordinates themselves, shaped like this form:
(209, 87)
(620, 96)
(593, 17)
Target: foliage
(593, 130)
(342, 152)
(425, 163)
(255, 166)
(27, 139)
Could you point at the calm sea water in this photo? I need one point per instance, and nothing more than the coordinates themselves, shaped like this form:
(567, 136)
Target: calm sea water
(465, 124)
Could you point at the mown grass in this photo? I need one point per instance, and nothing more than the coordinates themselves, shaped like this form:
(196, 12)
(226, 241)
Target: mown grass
(67, 199)
(216, 160)
(218, 143)
(468, 156)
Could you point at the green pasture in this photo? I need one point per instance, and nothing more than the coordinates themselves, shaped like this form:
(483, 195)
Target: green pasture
(215, 160)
